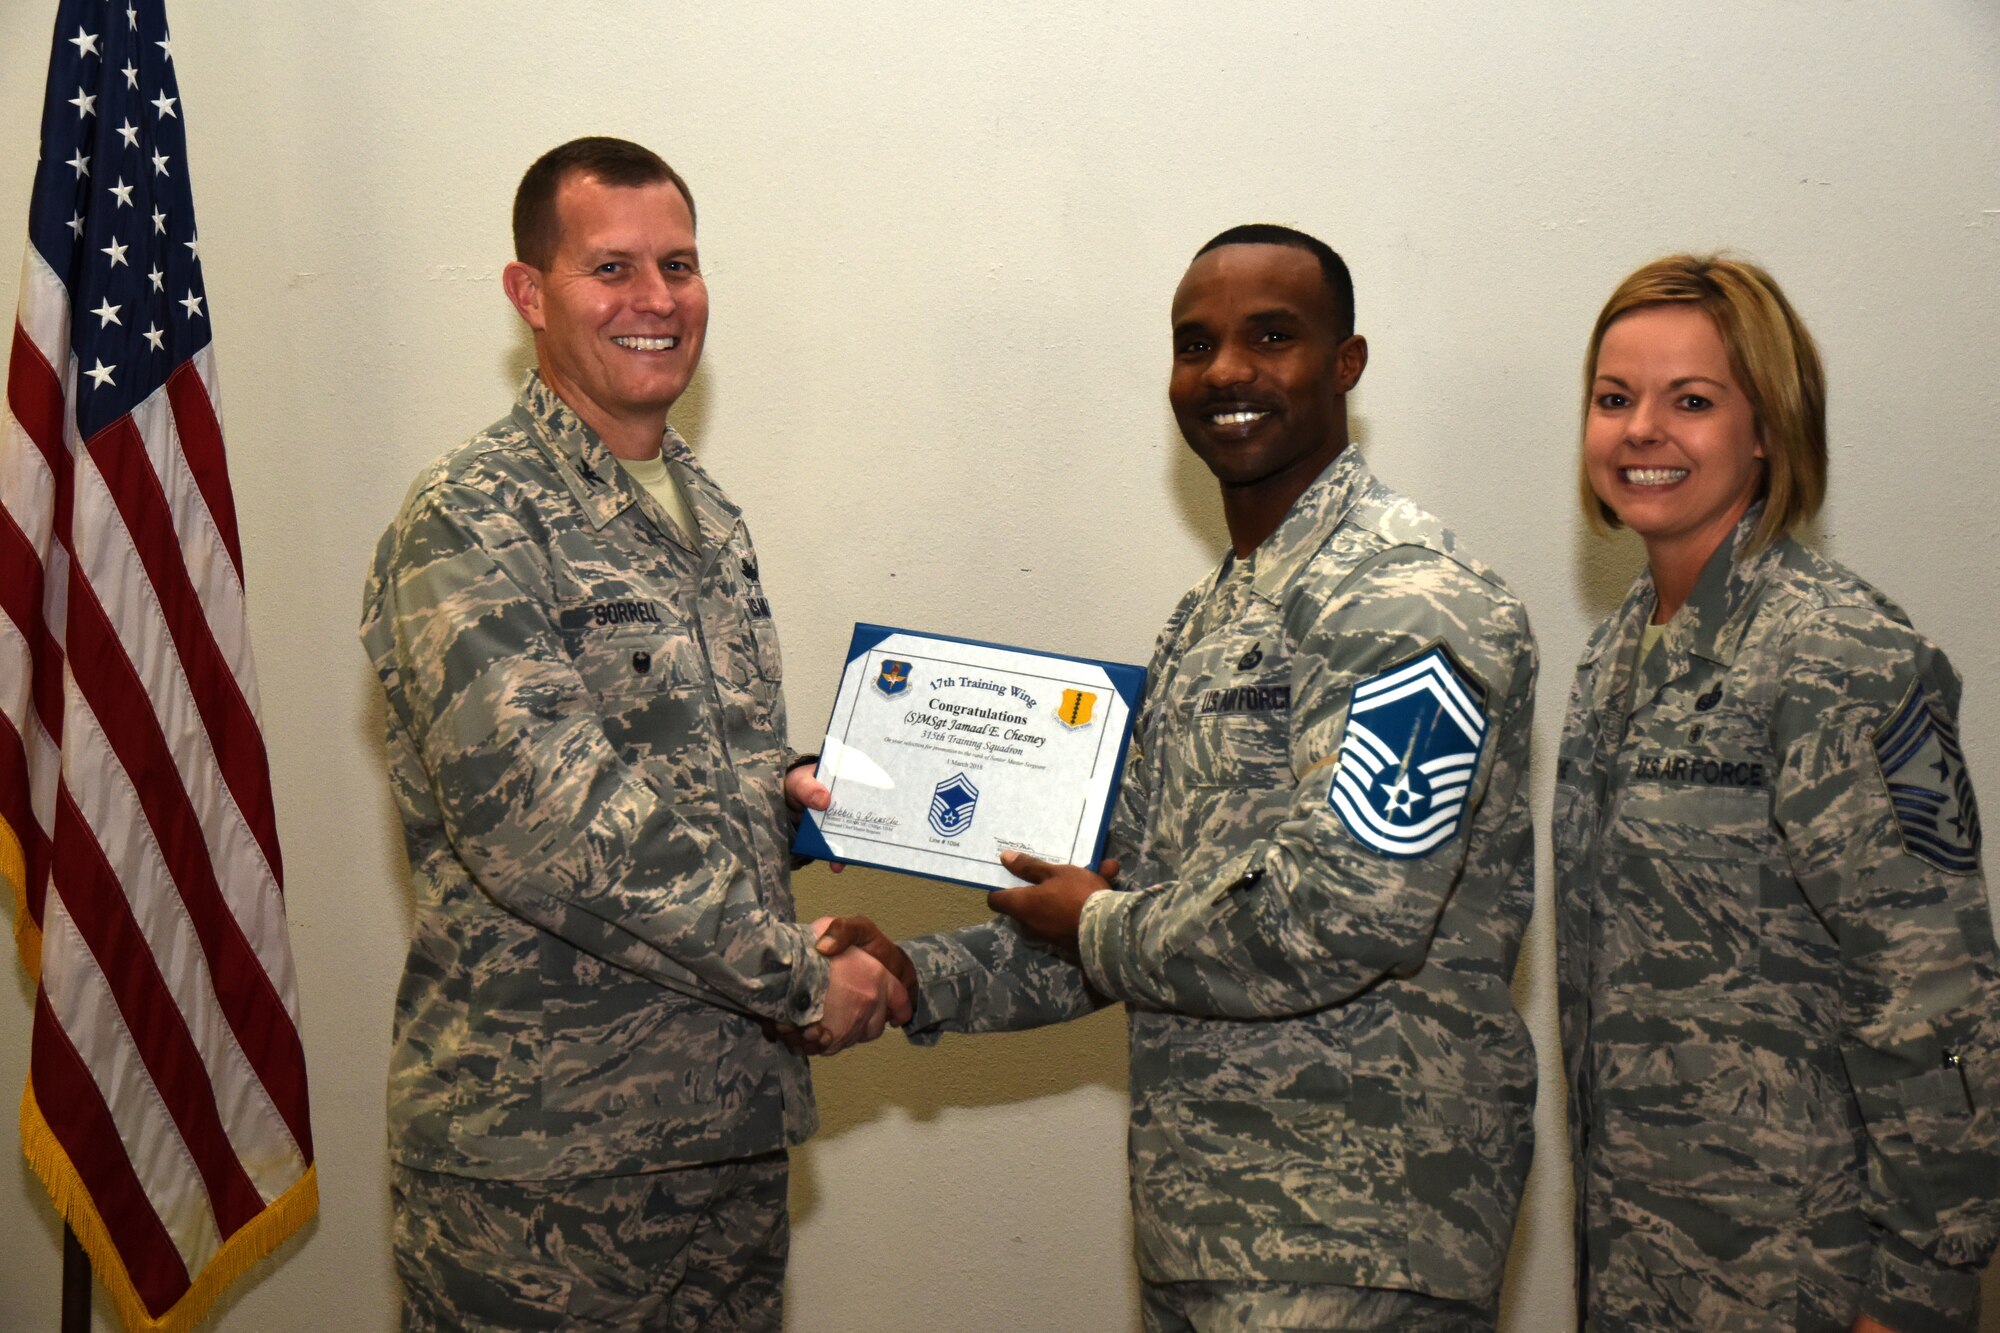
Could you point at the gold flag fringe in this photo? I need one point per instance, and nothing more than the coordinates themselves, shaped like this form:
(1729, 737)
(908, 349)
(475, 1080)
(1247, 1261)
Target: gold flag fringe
(14, 869)
(263, 1234)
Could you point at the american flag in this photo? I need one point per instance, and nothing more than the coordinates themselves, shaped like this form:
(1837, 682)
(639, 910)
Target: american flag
(166, 1102)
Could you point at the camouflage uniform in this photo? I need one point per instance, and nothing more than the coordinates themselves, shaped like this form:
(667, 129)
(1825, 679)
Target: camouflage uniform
(1329, 1082)
(686, 1250)
(586, 745)
(1777, 980)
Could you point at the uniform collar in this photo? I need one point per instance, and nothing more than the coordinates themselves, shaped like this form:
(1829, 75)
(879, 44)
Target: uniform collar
(1313, 517)
(1710, 625)
(1719, 609)
(601, 487)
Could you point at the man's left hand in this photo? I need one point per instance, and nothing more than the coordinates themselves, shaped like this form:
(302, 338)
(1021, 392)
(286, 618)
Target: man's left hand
(1050, 904)
(805, 792)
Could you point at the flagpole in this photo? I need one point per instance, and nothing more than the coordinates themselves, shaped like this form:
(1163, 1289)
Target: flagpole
(75, 1284)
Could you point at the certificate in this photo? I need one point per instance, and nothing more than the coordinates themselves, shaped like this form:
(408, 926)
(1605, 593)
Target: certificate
(943, 753)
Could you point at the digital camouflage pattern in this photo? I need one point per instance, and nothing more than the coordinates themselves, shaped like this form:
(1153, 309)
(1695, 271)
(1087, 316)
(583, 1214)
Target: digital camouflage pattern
(586, 745)
(1262, 1307)
(1329, 1081)
(1778, 1021)
(695, 1249)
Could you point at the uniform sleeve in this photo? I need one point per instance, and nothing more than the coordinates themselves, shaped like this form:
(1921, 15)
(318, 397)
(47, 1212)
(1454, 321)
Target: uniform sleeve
(1344, 889)
(1882, 832)
(993, 977)
(552, 824)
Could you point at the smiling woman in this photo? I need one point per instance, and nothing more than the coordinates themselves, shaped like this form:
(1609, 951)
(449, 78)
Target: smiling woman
(1777, 973)
(1670, 441)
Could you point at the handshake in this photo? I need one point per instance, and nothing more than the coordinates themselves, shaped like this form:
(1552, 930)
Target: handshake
(870, 984)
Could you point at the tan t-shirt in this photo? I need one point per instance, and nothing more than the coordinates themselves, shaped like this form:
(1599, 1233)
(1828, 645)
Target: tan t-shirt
(658, 479)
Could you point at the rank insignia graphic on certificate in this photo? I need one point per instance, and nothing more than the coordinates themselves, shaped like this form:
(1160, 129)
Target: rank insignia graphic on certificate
(1414, 734)
(895, 677)
(1076, 708)
(952, 804)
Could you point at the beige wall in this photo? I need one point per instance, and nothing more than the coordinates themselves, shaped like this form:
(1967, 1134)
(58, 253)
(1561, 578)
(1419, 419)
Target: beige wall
(940, 251)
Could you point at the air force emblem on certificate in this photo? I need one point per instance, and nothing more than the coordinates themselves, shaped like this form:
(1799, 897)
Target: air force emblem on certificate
(894, 677)
(1076, 708)
(953, 802)
(1928, 785)
(1414, 733)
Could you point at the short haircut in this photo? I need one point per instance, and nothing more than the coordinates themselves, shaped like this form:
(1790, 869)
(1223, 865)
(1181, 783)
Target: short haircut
(1331, 266)
(619, 162)
(1773, 358)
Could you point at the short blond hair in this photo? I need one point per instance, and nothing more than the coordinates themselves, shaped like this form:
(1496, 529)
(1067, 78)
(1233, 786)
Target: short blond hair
(1773, 358)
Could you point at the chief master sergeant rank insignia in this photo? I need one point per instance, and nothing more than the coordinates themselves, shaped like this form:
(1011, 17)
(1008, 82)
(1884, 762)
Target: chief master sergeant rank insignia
(1413, 737)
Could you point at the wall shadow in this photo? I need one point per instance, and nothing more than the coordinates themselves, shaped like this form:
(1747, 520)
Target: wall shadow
(1193, 491)
(1603, 569)
(989, 1069)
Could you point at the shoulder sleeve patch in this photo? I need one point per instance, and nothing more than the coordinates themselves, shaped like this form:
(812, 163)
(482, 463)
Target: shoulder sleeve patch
(1414, 735)
(1928, 785)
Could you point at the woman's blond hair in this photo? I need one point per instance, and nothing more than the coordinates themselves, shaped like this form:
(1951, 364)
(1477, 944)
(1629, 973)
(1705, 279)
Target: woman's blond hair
(1773, 358)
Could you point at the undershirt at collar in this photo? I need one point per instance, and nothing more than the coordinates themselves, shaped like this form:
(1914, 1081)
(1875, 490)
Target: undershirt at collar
(654, 474)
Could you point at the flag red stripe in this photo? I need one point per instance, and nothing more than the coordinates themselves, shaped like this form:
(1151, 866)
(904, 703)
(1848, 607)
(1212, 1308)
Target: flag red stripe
(75, 1113)
(120, 454)
(21, 600)
(34, 395)
(255, 1011)
(17, 809)
(89, 890)
(201, 442)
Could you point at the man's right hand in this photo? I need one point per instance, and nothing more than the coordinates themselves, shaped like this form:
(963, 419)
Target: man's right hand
(862, 996)
(840, 933)
(877, 957)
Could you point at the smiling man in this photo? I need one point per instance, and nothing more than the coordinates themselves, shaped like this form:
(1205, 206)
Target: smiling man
(1327, 865)
(588, 1111)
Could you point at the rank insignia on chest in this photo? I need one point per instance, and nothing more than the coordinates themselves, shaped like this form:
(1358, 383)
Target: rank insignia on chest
(894, 677)
(1076, 708)
(1414, 733)
(1928, 785)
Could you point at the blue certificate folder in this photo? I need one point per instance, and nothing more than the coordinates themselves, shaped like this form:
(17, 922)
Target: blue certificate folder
(941, 752)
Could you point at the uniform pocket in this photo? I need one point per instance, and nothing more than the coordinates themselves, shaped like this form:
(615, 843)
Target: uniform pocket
(621, 1045)
(768, 660)
(1249, 751)
(1690, 823)
(1951, 1159)
(1466, 1162)
(1684, 872)
(625, 649)
(1257, 1132)
(1694, 1215)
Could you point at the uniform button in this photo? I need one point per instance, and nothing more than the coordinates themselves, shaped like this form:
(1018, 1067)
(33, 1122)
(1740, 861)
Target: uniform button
(642, 662)
(1251, 878)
